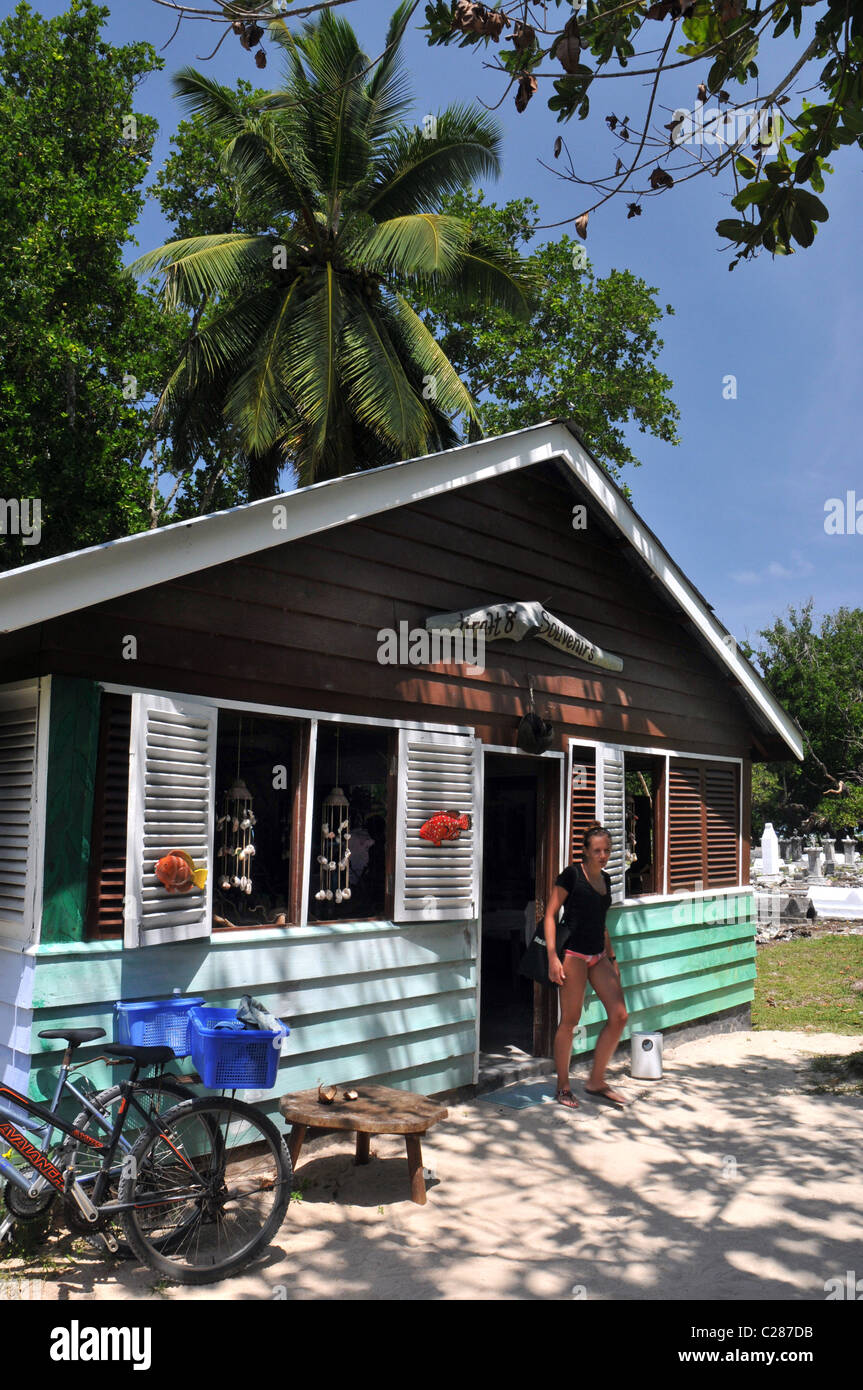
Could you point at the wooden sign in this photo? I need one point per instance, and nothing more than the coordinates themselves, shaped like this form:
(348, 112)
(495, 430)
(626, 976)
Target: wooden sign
(515, 621)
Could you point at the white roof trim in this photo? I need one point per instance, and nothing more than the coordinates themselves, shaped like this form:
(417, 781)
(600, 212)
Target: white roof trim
(50, 588)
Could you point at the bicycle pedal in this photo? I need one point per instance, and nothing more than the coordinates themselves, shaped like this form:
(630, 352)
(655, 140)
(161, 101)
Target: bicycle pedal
(110, 1242)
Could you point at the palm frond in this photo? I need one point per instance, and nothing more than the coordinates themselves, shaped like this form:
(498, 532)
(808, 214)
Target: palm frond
(310, 373)
(198, 265)
(219, 105)
(257, 399)
(449, 391)
(413, 172)
(492, 276)
(379, 392)
(270, 167)
(426, 243)
(389, 89)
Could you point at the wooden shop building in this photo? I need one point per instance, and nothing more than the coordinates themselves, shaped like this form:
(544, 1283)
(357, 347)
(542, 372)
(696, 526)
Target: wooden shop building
(272, 660)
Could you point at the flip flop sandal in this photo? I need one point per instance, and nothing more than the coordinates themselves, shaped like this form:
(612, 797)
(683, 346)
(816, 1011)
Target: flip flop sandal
(567, 1099)
(604, 1098)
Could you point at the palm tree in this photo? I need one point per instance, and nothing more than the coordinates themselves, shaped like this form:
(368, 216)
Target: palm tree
(303, 337)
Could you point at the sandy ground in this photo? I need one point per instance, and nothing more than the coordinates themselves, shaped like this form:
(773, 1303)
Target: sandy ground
(727, 1179)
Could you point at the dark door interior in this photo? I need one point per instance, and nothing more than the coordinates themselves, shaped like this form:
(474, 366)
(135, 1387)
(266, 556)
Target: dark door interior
(508, 891)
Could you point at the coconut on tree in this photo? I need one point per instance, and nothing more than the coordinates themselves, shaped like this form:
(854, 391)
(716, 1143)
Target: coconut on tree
(303, 338)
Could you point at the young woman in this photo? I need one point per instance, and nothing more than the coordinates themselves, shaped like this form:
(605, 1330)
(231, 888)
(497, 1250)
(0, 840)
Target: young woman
(584, 892)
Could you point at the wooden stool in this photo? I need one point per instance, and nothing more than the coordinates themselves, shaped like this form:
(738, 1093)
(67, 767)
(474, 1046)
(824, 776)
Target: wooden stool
(378, 1110)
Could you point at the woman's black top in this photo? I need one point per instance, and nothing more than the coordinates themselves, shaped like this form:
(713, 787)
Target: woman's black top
(584, 911)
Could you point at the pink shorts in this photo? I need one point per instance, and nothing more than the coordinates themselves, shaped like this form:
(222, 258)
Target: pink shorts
(591, 960)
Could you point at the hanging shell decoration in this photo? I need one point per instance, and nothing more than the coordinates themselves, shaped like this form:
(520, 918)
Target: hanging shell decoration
(335, 855)
(237, 850)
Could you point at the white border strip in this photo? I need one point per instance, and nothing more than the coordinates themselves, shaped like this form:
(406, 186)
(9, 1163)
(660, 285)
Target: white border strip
(289, 711)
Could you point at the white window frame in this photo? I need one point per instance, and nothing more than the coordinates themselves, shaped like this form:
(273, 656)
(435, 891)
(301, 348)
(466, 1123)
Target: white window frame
(667, 754)
(314, 718)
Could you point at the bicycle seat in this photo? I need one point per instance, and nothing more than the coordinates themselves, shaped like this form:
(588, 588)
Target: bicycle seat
(143, 1056)
(73, 1036)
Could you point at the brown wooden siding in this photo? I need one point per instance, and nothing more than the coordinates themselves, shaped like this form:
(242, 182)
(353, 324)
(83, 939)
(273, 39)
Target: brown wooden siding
(297, 625)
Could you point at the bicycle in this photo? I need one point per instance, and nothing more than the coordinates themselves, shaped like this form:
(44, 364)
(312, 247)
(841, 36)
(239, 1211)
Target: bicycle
(200, 1188)
(97, 1115)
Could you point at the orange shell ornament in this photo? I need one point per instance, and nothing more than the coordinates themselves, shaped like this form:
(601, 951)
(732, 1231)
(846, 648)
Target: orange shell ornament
(177, 873)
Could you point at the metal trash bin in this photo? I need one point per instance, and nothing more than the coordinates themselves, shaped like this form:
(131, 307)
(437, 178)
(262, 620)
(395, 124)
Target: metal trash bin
(647, 1056)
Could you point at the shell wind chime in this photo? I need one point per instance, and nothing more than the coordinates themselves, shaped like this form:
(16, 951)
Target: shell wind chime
(334, 858)
(237, 822)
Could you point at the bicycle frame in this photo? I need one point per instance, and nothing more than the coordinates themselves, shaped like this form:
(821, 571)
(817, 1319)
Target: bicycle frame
(14, 1111)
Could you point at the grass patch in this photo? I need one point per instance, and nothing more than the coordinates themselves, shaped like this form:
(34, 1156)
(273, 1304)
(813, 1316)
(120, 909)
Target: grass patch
(806, 984)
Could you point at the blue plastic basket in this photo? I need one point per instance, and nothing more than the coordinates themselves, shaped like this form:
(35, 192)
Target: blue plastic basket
(157, 1023)
(233, 1060)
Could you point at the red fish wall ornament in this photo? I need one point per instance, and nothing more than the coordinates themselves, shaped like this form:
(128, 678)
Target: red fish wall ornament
(177, 873)
(444, 825)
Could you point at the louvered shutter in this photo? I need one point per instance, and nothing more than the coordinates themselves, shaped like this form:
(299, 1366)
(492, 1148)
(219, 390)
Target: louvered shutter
(107, 888)
(722, 824)
(611, 812)
(686, 848)
(583, 803)
(703, 825)
(437, 772)
(19, 717)
(171, 774)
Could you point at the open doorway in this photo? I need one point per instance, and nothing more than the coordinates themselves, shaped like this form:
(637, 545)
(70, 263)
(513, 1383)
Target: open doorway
(511, 801)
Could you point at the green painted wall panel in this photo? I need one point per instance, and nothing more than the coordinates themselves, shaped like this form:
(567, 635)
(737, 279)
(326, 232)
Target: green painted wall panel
(716, 908)
(397, 1004)
(304, 956)
(648, 971)
(683, 941)
(73, 746)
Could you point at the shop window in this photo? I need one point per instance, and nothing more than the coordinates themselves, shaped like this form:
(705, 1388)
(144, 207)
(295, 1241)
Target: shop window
(256, 844)
(350, 824)
(625, 792)
(645, 778)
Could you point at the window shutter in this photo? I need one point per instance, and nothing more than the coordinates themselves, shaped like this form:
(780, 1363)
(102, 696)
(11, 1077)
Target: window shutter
(583, 806)
(611, 812)
(437, 772)
(107, 887)
(686, 847)
(171, 775)
(703, 825)
(722, 821)
(19, 717)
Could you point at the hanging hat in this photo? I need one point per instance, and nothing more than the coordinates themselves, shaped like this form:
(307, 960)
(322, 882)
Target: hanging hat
(534, 734)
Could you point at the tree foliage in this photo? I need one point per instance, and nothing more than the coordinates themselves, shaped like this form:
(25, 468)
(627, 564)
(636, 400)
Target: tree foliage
(588, 351)
(817, 676)
(78, 343)
(773, 142)
(305, 342)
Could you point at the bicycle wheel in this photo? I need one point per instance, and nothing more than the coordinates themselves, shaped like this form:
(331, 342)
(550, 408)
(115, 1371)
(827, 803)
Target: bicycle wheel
(203, 1210)
(154, 1094)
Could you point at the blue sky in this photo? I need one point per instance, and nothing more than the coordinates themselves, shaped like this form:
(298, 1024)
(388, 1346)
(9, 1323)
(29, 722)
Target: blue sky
(739, 503)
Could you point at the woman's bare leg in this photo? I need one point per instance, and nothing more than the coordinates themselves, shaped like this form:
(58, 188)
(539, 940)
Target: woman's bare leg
(571, 1000)
(604, 979)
